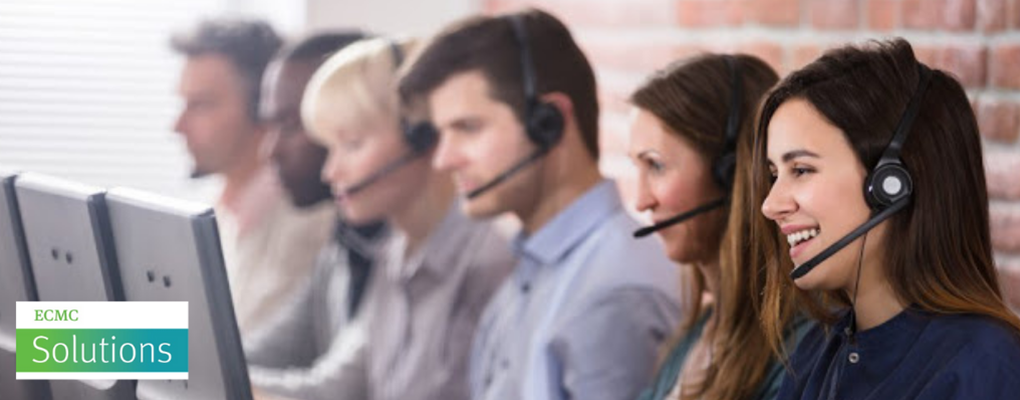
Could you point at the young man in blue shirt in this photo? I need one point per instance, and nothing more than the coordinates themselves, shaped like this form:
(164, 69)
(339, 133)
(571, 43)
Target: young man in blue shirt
(586, 308)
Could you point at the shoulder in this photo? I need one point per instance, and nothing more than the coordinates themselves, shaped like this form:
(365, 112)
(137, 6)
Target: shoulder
(614, 259)
(983, 340)
(986, 364)
(485, 254)
(485, 246)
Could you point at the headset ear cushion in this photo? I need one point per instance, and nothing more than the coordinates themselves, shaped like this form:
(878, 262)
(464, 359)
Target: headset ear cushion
(886, 185)
(545, 125)
(421, 136)
(723, 171)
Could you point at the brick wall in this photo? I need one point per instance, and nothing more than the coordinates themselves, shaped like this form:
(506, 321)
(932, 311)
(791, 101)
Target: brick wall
(977, 40)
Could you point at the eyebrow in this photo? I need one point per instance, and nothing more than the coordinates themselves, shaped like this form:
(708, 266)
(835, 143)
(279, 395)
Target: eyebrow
(791, 155)
(459, 123)
(645, 153)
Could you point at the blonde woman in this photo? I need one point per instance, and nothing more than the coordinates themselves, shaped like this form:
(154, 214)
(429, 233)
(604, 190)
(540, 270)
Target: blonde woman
(435, 273)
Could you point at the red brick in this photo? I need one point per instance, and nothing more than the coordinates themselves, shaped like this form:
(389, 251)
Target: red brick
(613, 102)
(1013, 9)
(967, 63)
(708, 13)
(835, 14)
(991, 15)
(633, 56)
(1005, 227)
(614, 135)
(775, 12)
(771, 53)
(805, 54)
(501, 6)
(615, 88)
(999, 121)
(1003, 69)
(1009, 281)
(596, 13)
(926, 54)
(956, 15)
(1002, 173)
(492, 6)
(883, 15)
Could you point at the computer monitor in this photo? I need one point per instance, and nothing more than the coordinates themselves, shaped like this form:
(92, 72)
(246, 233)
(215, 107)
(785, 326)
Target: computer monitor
(169, 250)
(72, 259)
(16, 284)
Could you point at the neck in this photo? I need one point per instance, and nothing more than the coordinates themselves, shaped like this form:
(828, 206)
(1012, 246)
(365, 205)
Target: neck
(710, 270)
(422, 214)
(559, 188)
(876, 301)
(237, 178)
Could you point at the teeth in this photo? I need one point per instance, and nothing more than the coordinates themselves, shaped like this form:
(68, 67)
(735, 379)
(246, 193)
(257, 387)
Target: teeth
(794, 238)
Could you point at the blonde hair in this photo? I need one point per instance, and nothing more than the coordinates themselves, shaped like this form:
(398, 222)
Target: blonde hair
(355, 88)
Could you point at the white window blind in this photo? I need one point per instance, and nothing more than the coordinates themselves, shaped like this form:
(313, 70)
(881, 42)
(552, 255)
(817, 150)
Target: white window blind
(87, 91)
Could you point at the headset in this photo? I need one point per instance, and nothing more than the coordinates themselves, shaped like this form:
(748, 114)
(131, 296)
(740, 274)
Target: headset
(724, 166)
(420, 137)
(543, 122)
(888, 186)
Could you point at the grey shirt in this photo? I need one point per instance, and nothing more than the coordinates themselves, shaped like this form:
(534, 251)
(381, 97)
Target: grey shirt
(413, 337)
(584, 312)
(300, 346)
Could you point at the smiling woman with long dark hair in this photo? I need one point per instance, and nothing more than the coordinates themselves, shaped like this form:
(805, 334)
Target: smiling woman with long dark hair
(869, 172)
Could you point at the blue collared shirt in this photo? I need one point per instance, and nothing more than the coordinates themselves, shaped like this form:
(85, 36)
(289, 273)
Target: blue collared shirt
(584, 312)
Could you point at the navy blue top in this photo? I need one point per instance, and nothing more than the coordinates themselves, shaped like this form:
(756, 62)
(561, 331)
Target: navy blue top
(914, 355)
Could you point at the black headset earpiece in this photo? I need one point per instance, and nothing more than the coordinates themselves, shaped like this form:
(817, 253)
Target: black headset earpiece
(421, 136)
(890, 182)
(724, 167)
(888, 187)
(543, 122)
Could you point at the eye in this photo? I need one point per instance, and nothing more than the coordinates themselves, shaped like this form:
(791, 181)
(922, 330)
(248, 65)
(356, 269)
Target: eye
(799, 170)
(654, 166)
(468, 126)
(199, 105)
(351, 145)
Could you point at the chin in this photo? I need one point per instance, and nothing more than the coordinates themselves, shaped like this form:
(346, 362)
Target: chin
(478, 208)
(676, 252)
(357, 215)
(819, 278)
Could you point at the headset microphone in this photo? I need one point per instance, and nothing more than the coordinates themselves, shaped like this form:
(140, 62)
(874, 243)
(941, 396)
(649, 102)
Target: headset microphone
(888, 187)
(648, 230)
(543, 122)
(724, 166)
(420, 137)
(803, 269)
(535, 156)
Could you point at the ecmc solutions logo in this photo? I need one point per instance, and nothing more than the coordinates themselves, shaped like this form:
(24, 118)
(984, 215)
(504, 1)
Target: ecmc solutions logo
(102, 340)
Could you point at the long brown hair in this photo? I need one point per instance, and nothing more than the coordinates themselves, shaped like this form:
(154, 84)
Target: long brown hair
(692, 100)
(942, 262)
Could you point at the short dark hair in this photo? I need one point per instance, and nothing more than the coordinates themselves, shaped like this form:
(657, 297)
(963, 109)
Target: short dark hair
(319, 46)
(488, 44)
(248, 44)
